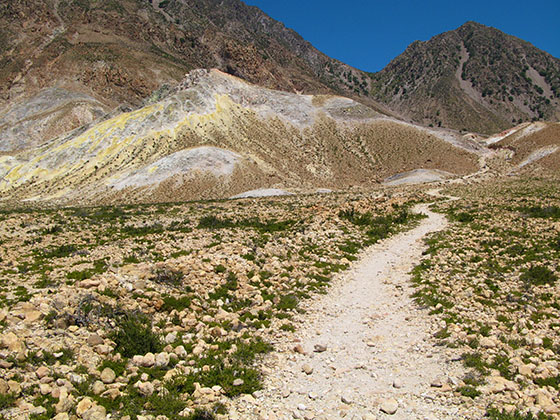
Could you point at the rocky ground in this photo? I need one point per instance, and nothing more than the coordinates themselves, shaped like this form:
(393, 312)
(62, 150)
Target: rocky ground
(491, 280)
(365, 350)
(162, 310)
(166, 311)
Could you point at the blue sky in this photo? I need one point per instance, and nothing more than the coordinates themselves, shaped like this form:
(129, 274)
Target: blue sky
(369, 34)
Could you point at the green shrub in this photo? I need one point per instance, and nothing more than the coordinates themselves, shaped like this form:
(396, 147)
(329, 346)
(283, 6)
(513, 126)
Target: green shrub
(468, 391)
(213, 222)
(495, 414)
(552, 212)
(474, 360)
(287, 302)
(59, 252)
(553, 382)
(287, 327)
(171, 302)
(134, 335)
(220, 269)
(538, 275)
(7, 400)
(462, 217)
(247, 352)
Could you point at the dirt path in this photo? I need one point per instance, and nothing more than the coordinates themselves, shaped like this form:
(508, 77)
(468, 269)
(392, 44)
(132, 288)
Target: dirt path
(379, 347)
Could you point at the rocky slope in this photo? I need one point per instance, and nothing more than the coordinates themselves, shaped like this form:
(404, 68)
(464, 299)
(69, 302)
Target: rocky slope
(155, 311)
(474, 78)
(533, 147)
(120, 51)
(66, 63)
(216, 135)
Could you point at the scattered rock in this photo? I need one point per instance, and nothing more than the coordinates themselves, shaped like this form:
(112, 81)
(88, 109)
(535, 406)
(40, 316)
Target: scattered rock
(307, 369)
(145, 388)
(346, 399)
(94, 340)
(389, 406)
(319, 348)
(108, 376)
(42, 371)
(148, 360)
(161, 360)
(299, 349)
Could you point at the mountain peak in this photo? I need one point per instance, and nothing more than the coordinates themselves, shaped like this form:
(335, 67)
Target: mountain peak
(473, 78)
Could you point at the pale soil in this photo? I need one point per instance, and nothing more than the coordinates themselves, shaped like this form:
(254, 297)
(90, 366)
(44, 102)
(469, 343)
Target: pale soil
(375, 334)
(417, 176)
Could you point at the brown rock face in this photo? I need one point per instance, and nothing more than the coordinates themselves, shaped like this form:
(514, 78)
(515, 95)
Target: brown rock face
(119, 52)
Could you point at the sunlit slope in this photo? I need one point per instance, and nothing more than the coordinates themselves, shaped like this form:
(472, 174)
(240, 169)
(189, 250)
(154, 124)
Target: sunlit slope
(534, 146)
(216, 136)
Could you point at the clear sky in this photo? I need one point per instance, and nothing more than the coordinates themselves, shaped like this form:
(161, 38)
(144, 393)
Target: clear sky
(367, 34)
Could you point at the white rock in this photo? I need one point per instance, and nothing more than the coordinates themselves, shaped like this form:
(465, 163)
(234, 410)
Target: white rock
(145, 388)
(148, 360)
(162, 359)
(108, 376)
(389, 406)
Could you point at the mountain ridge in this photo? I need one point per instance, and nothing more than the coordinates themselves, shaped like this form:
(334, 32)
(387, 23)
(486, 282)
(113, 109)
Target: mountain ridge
(216, 136)
(473, 78)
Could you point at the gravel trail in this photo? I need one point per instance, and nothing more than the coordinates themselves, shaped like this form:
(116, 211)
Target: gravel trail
(379, 348)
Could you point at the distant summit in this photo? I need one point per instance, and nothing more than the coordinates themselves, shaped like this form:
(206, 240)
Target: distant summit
(474, 78)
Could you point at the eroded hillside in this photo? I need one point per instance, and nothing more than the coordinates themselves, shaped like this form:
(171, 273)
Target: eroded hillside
(216, 136)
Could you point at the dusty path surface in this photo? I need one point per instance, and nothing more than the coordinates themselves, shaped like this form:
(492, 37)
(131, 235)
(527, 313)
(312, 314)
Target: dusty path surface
(379, 348)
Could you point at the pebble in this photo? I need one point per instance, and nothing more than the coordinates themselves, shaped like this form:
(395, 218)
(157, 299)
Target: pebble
(436, 383)
(42, 371)
(108, 376)
(299, 349)
(346, 399)
(94, 340)
(389, 406)
(397, 383)
(319, 348)
(307, 369)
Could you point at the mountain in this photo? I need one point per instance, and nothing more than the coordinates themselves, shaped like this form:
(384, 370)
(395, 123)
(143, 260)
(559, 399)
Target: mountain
(65, 63)
(216, 135)
(474, 78)
(69, 64)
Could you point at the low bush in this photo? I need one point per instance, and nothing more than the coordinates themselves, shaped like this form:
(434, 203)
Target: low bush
(538, 275)
(134, 335)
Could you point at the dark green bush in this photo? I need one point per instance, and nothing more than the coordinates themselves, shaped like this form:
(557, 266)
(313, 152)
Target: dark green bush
(7, 400)
(462, 217)
(495, 414)
(468, 391)
(171, 302)
(538, 275)
(134, 335)
(552, 212)
(287, 302)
